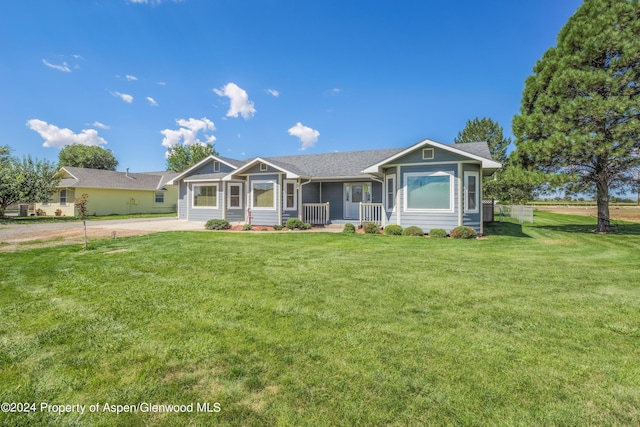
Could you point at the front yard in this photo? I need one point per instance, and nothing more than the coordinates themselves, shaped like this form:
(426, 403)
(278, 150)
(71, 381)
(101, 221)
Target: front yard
(532, 325)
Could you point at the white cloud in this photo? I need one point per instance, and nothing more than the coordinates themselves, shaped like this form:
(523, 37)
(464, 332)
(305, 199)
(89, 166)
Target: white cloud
(307, 136)
(131, 78)
(335, 91)
(161, 83)
(126, 98)
(239, 98)
(188, 132)
(56, 137)
(273, 92)
(152, 101)
(99, 125)
(64, 67)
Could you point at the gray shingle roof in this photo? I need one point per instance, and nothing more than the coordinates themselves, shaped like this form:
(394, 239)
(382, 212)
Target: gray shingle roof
(95, 178)
(480, 149)
(347, 164)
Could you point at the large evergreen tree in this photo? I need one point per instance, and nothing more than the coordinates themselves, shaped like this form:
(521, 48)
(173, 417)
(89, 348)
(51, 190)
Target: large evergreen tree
(485, 130)
(87, 156)
(580, 113)
(182, 156)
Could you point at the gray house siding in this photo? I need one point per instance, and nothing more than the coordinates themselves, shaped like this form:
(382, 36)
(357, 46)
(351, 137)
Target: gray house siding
(255, 170)
(182, 200)
(205, 214)
(428, 220)
(333, 193)
(311, 192)
(269, 216)
(236, 214)
(439, 155)
(208, 168)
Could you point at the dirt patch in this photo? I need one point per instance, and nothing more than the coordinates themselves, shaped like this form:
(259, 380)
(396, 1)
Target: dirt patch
(618, 213)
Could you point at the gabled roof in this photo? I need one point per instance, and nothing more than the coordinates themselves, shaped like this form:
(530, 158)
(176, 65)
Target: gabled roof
(73, 177)
(473, 150)
(232, 163)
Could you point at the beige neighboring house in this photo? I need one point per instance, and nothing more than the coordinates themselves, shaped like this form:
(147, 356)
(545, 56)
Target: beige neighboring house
(112, 193)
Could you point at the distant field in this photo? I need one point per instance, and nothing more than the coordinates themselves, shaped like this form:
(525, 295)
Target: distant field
(530, 325)
(616, 212)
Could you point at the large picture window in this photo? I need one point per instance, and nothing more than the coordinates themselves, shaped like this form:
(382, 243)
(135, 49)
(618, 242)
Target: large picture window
(429, 191)
(263, 194)
(205, 196)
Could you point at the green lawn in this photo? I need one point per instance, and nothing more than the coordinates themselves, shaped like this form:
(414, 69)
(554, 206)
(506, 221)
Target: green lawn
(531, 325)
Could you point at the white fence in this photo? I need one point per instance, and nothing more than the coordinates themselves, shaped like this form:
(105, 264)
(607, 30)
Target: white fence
(523, 213)
(315, 213)
(372, 212)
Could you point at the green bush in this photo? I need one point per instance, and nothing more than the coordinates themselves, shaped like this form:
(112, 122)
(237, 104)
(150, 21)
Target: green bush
(306, 226)
(247, 227)
(278, 227)
(349, 228)
(294, 224)
(413, 231)
(371, 228)
(463, 232)
(437, 232)
(393, 230)
(217, 224)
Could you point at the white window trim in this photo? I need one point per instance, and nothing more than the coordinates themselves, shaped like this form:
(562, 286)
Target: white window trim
(216, 166)
(234, 184)
(155, 195)
(450, 174)
(386, 192)
(66, 198)
(275, 192)
(193, 195)
(426, 156)
(285, 194)
(466, 190)
(263, 167)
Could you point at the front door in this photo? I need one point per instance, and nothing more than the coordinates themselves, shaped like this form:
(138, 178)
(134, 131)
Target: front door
(354, 194)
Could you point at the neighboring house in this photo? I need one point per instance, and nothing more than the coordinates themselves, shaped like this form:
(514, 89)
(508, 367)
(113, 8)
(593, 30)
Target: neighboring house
(113, 193)
(429, 185)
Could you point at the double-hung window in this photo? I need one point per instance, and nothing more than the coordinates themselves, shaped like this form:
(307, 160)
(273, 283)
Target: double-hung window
(63, 198)
(205, 196)
(290, 196)
(235, 196)
(471, 185)
(429, 191)
(391, 192)
(159, 197)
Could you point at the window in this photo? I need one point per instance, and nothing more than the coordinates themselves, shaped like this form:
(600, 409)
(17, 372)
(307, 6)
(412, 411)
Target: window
(205, 196)
(427, 154)
(263, 166)
(216, 166)
(471, 201)
(235, 196)
(391, 192)
(263, 194)
(63, 197)
(429, 191)
(290, 195)
(159, 197)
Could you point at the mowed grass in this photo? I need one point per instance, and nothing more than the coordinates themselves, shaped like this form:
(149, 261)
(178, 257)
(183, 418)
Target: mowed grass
(532, 325)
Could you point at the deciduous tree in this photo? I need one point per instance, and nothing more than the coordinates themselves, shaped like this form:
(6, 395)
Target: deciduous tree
(181, 157)
(87, 156)
(580, 113)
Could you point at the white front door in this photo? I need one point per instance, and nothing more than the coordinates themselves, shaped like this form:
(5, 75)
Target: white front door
(354, 194)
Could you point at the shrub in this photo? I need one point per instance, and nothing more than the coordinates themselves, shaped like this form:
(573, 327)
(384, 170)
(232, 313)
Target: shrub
(278, 227)
(294, 223)
(306, 226)
(371, 228)
(247, 227)
(217, 224)
(58, 212)
(463, 232)
(264, 229)
(413, 231)
(349, 228)
(393, 230)
(437, 232)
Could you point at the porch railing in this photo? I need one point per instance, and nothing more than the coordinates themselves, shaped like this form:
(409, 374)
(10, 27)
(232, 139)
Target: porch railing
(372, 212)
(315, 213)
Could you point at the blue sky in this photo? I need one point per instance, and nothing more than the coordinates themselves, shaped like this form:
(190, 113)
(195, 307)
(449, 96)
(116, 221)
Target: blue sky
(261, 77)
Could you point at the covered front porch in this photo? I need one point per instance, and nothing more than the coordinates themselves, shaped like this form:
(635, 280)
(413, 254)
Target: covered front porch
(319, 214)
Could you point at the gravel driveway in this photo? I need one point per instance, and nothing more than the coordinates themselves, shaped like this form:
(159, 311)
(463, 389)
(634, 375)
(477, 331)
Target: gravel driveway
(13, 234)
